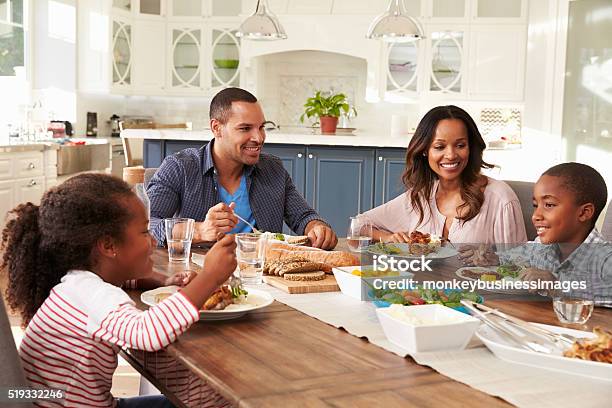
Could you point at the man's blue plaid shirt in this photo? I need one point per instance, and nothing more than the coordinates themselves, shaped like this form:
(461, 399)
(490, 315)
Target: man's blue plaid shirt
(185, 185)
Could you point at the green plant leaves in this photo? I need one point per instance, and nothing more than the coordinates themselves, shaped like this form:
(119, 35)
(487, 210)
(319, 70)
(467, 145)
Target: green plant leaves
(332, 105)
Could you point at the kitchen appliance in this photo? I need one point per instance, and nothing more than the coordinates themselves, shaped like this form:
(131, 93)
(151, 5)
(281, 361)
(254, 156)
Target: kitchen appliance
(114, 124)
(92, 124)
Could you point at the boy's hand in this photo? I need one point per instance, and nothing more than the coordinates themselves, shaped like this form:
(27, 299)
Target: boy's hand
(180, 278)
(221, 260)
(482, 255)
(533, 274)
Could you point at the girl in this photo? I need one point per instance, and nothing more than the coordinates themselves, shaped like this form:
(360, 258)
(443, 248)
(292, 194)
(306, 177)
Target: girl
(66, 260)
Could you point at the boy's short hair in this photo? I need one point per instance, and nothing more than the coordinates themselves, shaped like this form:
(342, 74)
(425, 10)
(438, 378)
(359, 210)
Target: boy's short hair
(585, 182)
(221, 104)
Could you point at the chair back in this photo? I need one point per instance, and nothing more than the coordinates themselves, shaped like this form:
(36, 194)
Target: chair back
(148, 175)
(11, 374)
(524, 192)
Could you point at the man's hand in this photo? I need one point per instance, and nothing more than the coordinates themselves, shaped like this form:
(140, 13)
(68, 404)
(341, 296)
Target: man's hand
(220, 220)
(180, 278)
(321, 235)
(537, 275)
(482, 255)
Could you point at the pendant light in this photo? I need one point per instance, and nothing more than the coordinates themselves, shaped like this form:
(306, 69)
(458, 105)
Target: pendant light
(395, 25)
(262, 25)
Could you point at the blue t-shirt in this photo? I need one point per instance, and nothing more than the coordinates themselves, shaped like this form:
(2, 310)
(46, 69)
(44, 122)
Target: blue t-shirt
(243, 207)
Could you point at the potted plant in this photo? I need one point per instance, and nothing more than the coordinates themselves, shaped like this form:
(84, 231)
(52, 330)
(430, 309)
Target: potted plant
(328, 109)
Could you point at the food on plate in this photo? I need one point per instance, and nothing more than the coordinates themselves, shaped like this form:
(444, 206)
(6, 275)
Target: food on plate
(224, 296)
(421, 296)
(596, 349)
(420, 243)
(387, 249)
(483, 274)
(509, 270)
(294, 264)
(290, 239)
(306, 276)
(325, 260)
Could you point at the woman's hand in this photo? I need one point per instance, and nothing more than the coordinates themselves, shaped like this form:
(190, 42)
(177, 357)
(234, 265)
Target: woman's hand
(397, 237)
(180, 278)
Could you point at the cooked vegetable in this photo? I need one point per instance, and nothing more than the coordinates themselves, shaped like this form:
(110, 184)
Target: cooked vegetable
(510, 270)
(388, 249)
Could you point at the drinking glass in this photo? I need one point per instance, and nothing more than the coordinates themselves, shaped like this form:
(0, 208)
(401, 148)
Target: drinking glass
(179, 233)
(574, 305)
(250, 253)
(359, 234)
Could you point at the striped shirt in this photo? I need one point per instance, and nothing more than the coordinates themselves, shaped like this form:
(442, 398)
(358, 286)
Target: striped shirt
(73, 340)
(185, 185)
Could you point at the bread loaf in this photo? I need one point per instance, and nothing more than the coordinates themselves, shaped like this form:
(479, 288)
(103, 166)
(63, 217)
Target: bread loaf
(328, 259)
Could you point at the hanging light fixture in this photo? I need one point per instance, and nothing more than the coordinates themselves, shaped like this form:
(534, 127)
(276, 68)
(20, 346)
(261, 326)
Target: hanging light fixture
(262, 25)
(395, 25)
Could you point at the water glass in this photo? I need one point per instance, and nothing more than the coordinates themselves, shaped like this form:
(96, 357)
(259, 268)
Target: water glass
(250, 254)
(359, 234)
(179, 233)
(575, 305)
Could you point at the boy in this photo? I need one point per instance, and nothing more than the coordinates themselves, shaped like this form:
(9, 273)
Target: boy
(567, 199)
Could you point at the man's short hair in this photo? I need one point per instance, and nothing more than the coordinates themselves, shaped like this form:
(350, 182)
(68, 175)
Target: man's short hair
(221, 104)
(585, 182)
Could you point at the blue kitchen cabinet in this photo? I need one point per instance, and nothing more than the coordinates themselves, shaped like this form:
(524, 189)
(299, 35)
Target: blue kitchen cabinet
(294, 161)
(152, 153)
(339, 183)
(175, 146)
(390, 164)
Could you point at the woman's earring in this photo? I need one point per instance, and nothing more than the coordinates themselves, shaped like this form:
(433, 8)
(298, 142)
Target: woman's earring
(114, 254)
(425, 154)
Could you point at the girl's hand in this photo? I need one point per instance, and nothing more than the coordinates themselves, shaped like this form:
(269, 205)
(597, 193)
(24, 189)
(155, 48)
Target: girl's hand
(180, 278)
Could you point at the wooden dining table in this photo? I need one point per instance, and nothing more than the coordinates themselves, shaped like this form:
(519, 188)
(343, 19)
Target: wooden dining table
(279, 356)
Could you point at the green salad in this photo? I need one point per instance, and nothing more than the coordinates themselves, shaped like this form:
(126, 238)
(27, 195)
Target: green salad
(388, 249)
(509, 270)
(421, 296)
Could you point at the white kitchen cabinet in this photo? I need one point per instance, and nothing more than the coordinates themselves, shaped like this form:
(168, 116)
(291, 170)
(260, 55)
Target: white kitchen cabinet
(121, 53)
(7, 199)
(30, 190)
(403, 71)
(496, 66)
(185, 58)
(149, 39)
(154, 9)
(28, 165)
(224, 57)
(93, 45)
(446, 60)
(499, 11)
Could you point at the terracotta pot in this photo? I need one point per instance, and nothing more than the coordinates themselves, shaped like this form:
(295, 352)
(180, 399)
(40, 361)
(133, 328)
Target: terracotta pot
(328, 124)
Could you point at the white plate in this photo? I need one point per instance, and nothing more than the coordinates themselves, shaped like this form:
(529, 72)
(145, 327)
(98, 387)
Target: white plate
(504, 349)
(441, 253)
(356, 286)
(256, 299)
(459, 273)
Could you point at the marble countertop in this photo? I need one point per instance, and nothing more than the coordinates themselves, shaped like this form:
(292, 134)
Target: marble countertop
(298, 136)
(14, 146)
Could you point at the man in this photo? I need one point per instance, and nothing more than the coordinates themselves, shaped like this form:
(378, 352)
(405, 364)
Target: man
(230, 176)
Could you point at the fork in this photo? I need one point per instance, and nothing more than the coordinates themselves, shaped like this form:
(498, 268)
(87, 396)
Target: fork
(255, 230)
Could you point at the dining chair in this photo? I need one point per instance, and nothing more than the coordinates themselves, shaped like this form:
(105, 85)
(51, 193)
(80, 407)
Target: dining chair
(11, 374)
(148, 175)
(606, 228)
(524, 192)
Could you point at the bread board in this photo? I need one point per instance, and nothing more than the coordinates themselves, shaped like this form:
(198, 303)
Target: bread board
(328, 284)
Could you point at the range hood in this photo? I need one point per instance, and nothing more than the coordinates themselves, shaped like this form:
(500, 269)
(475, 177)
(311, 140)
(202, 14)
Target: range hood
(326, 33)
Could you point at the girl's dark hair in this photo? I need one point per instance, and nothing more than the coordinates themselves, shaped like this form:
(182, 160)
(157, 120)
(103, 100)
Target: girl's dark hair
(42, 243)
(419, 178)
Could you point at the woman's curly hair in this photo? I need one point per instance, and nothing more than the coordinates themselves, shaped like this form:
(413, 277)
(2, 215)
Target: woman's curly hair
(42, 243)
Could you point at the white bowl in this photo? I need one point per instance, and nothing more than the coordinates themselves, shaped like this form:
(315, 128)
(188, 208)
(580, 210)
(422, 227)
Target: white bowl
(438, 327)
(355, 286)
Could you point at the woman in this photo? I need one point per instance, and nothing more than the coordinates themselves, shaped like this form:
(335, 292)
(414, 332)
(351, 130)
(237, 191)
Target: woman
(446, 193)
(66, 260)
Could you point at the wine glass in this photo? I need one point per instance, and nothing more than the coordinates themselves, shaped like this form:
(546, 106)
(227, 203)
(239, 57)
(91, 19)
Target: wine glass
(359, 234)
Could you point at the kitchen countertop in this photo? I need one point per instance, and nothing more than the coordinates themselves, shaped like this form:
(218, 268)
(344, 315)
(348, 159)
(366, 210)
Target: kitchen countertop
(15, 146)
(298, 136)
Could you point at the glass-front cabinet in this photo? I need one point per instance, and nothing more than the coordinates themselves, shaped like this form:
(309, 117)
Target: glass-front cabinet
(121, 53)
(402, 71)
(446, 62)
(225, 58)
(122, 6)
(186, 57)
